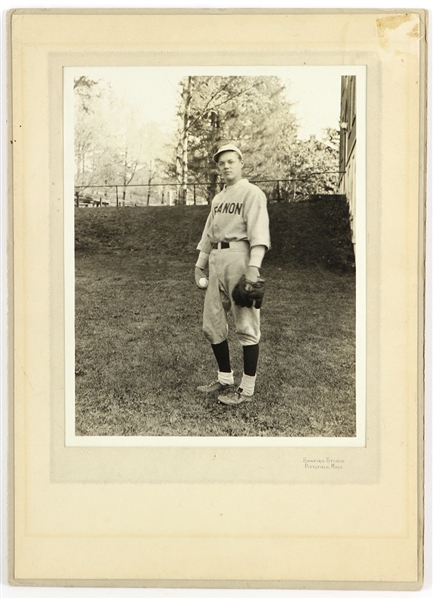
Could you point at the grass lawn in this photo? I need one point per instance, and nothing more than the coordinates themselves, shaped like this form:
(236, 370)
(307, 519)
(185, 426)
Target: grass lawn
(140, 351)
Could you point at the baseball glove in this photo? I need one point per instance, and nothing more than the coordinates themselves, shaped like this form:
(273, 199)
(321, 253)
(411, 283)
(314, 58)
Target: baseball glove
(246, 294)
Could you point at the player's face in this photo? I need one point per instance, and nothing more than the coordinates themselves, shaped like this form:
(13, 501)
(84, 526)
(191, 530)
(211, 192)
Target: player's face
(230, 166)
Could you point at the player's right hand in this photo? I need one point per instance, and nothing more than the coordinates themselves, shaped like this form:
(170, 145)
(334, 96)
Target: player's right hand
(199, 273)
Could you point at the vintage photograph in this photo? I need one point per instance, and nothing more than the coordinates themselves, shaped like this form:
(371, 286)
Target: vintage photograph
(217, 299)
(217, 250)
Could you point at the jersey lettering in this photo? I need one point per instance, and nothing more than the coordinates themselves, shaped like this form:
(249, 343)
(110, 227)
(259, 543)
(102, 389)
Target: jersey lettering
(232, 208)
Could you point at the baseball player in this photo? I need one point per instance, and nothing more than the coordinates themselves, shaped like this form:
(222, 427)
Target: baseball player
(233, 244)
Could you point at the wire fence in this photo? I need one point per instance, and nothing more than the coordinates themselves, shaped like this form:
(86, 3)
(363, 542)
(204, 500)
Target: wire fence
(170, 194)
(153, 194)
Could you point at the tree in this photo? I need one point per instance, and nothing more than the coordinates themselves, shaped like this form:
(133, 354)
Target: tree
(86, 131)
(112, 145)
(182, 148)
(250, 111)
(85, 91)
(313, 166)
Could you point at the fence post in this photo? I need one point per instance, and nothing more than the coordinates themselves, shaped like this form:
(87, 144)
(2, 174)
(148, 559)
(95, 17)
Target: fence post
(278, 191)
(194, 196)
(117, 197)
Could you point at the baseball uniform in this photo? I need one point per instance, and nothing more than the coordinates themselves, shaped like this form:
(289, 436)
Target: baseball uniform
(238, 221)
(234, 241)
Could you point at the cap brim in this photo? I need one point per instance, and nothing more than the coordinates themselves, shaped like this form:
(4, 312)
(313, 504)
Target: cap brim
(215, 158)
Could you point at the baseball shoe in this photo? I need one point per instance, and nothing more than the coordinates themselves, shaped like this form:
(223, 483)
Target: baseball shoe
(233, 399)
(215, 387)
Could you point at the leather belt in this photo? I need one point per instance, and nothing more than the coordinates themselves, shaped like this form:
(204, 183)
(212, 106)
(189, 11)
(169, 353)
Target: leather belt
(221, 245)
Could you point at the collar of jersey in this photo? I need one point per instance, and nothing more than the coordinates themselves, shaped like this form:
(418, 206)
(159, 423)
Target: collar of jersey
(238, 184)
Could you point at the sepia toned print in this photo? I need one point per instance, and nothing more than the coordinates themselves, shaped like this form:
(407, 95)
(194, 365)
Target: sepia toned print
(145, 184)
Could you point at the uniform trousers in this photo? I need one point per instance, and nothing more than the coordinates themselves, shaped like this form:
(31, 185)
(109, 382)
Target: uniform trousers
(226, 266)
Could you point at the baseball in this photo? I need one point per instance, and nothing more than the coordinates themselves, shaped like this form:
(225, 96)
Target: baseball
(203, 282)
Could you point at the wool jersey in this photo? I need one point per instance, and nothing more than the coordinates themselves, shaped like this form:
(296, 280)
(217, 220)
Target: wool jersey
(238, 213)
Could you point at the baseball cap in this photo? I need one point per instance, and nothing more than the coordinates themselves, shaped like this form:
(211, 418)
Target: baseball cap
(227, 148)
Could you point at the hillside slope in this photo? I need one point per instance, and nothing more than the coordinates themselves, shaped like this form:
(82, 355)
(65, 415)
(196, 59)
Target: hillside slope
(315, 232)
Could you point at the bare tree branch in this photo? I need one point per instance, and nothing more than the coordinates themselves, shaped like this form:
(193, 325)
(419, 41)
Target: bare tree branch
(219, 91)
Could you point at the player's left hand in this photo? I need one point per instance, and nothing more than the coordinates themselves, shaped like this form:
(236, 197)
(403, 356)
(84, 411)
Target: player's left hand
(252, 274)
(248, 293)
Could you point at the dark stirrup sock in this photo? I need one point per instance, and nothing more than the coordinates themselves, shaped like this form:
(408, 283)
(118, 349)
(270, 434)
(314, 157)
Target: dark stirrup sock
(222, 355)
(251, 357)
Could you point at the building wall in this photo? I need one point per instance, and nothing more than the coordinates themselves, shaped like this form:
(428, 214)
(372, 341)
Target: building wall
(349, 189)
(347, 183)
